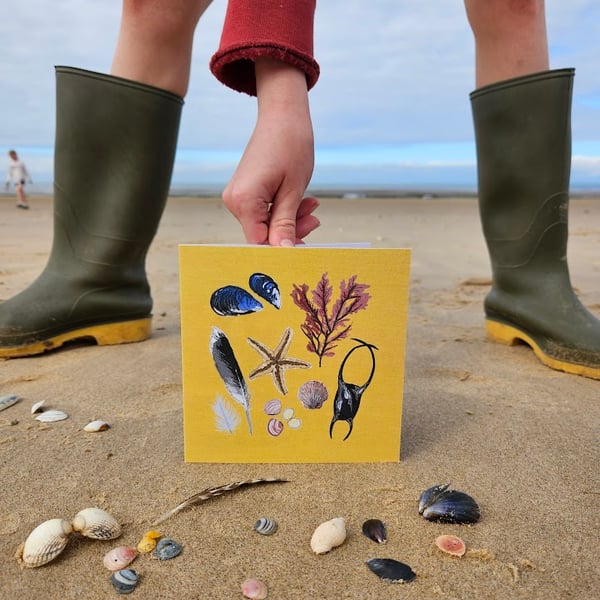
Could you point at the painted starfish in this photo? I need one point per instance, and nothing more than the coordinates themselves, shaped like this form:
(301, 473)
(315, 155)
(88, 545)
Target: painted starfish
(276, 361)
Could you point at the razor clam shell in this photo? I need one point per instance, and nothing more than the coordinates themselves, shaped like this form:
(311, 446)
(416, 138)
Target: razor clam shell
(265, 526)
(328, 535)
(167, 549)
(265, 287)
(391, 570)
(51, 416)
(124, 581)
(231, 300)
(97, 524)
(45, 542)
(7, 401)
(375, 530)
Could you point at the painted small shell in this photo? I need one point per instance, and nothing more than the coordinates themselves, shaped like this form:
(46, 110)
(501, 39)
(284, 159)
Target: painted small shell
(294, 423)
(230, 301)
(328, 535)
(265, 287)
(273, 407)
(124, 581)
(391, 570)
(118, 558)
(265, 526)
(97, 425)
(148, 542)
(45, 543)
(313, 394)
(287, 414)
(450, 544)
(375, 530)
(439, 503)
(255, 589)
(97, 524)
(52, 415)
(9, 400)
(167, 549)
(274, 427)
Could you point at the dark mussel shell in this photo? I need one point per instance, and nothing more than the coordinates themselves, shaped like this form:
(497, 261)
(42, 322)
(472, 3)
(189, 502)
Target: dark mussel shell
(374, 529)
(439, 503)
(124, 581)
(392, 570)
(230, 301)
(265, 287)
(167, 549)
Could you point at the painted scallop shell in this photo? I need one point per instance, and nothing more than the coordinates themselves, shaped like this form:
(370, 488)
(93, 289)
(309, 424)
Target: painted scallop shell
(273, 407)
(167, 549)
(312, 394)
(265, 526)
(391, 570)
(118, 558)
(45, 543)
(97, 524)
(124, 581)
(274, 427)
(230, 301)
(328, 535)
(439, 503)
(265, 287)
(254, 589)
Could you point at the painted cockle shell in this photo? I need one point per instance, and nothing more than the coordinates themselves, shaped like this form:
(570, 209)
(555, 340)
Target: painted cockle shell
(118, 558)
(375, 530)
(328, 535)
(450, 544)
(391, 570)
(439, 503)
(254, 589)
(45, 543)
(274, 427)
(273, 407)
(312, 394)
(124, 581)
(265, 287)
(230, 301)
(97, 524)
(167, 549)
(148, 541)
(265, 526)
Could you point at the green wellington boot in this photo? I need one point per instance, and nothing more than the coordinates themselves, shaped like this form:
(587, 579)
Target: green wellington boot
(114, 153)
(523, 135)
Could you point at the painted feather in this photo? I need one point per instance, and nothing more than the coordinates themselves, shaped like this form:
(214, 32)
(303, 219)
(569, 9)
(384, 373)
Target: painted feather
(229, 370)
(225, 416)
(213, 492)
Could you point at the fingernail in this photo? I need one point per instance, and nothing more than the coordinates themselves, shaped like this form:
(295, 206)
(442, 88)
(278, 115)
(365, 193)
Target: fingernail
(286, 244)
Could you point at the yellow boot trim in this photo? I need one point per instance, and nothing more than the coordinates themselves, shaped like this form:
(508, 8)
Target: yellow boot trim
(104, 335)
(506, 334)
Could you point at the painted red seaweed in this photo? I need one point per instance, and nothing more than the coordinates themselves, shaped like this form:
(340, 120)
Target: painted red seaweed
(325, 329)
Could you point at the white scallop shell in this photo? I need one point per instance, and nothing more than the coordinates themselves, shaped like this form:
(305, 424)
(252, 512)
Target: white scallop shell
(45, 542)
(328, 535)
(6, 401)
(98, 425)
(97, 524)
(50, 416)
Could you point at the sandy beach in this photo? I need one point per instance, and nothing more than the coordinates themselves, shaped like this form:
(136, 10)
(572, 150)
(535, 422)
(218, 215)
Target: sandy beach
(520, 438)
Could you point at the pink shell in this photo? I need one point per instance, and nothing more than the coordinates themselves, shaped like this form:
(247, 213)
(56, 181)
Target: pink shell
(118, 558)
(254, 589)
(272, 407)
(274, 427)
(312, 394)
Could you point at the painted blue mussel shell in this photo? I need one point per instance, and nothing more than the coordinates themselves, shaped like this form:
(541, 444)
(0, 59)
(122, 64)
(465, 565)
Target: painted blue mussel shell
(265, 287)
(231, 300)
(439, 503)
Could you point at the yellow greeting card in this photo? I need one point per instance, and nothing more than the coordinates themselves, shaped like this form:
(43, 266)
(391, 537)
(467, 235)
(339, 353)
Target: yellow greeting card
(293, 354)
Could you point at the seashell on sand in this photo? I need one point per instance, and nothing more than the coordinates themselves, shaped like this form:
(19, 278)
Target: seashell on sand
(38, 407)
(97, 425)
(124, 581)
(167, 549)
(287, 414)
(450, 544)
(255, 589)
(97, 524)
(274, 427)
(44, 543)
(294, 423)
(265, 526)
(272, 407)
(52, 415)
(375, 530)
(328, 535)
(148, 542)
(391, 570)
(439, 503)
(118, 558)
(8, 400)
(312, 394)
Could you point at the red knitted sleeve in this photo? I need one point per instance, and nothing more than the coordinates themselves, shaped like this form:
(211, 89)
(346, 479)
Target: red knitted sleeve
(280, 29)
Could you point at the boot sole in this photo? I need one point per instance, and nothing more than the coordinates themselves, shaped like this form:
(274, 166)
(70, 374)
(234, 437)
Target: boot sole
(104, 335)
(506, 334)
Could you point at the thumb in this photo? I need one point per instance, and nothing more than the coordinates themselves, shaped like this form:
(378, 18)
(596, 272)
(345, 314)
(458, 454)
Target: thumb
(282, 220)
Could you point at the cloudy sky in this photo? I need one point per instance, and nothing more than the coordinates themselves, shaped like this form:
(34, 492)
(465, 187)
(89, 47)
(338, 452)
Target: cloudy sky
(391, 106)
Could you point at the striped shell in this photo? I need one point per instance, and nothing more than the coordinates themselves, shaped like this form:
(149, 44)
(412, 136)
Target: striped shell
(124, 581)
(118, 558)
(265, 526)
(97, 524)
(273, 407)
(45, 542)
(167, 549)
(274, 427)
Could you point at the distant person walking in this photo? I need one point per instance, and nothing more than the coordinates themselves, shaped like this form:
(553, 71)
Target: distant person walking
(18, 174)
